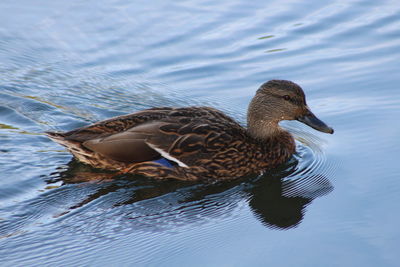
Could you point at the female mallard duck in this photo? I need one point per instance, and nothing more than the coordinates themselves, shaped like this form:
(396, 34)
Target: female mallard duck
(196, 143)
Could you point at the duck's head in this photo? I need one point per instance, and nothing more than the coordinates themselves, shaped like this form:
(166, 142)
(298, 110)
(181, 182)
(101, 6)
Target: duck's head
(278, 100)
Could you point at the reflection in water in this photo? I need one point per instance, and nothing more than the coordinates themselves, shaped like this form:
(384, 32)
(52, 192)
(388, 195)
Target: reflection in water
(275, 209)
(70, 63)
(278, 199)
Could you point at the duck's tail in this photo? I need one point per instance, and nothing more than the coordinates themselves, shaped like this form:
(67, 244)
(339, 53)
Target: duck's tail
(84, 154)
(59, 138)
(74, 147)
(55, 135)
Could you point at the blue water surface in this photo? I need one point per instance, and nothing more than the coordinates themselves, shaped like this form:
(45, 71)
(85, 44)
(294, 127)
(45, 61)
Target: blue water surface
(65, 64)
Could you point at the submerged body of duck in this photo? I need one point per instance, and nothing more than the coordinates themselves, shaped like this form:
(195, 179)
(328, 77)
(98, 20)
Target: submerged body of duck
(195, 143)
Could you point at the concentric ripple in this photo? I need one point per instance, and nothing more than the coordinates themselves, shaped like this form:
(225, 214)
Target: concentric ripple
(66, 64)
(279, 197)
(312, 173)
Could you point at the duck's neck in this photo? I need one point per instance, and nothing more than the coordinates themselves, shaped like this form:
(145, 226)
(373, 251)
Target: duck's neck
(269, 133)
(262, 125)
(264, 129)
(275, 143)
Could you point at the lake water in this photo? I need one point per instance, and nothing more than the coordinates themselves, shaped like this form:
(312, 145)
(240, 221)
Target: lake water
(67, 64)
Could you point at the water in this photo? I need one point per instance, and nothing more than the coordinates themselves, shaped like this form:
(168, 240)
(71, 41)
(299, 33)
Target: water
(67, 64)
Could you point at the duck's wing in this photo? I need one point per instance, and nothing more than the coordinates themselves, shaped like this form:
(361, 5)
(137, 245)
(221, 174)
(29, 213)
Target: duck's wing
(129, 146)
(174, 140)
(122, 123)
(182, 135)
(116, 125)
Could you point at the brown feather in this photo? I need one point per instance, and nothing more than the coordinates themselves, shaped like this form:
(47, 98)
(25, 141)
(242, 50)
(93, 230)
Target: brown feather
(202, 141)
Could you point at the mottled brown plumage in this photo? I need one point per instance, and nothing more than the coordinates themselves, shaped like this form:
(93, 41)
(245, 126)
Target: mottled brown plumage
(201, 142)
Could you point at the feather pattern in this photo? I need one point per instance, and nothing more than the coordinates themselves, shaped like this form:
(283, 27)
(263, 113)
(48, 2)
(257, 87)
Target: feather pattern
(201, 142)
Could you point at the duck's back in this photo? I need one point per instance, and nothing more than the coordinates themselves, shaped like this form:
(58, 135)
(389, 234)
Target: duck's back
(181, 116)
(186, 134)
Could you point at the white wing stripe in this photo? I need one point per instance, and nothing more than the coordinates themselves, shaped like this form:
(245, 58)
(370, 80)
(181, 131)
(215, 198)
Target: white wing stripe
(167, 156)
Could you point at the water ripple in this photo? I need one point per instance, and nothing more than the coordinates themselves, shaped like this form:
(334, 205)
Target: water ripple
(67, 64)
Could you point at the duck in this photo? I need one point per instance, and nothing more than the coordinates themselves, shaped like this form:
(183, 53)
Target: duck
(196, 143)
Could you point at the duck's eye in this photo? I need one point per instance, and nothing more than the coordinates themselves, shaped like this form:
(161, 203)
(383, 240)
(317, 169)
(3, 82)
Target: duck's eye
(286, 97)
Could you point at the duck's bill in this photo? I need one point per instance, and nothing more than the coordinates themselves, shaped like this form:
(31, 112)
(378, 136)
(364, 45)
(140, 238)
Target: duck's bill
(311, 120)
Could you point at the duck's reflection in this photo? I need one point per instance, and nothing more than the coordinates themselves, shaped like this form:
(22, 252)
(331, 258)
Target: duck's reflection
(278, 199)
(281, 204)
